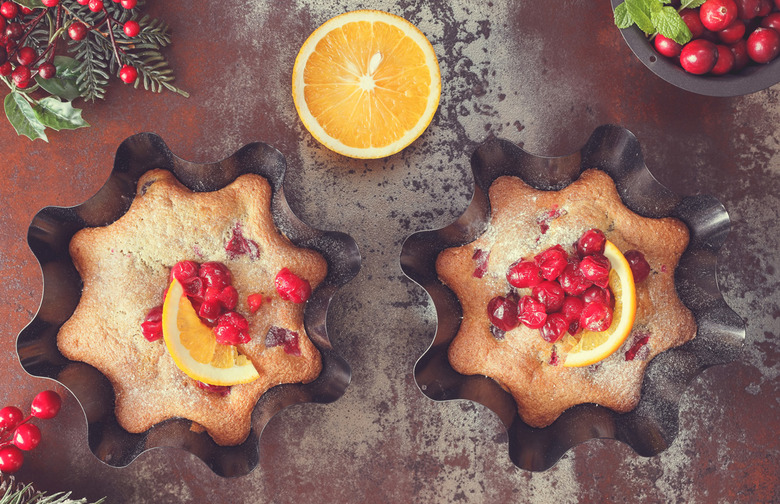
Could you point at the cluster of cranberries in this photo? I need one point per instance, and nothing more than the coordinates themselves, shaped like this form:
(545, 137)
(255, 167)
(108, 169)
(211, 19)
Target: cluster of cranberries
(22, 62)
(17, 434)
(726, 36)
(567, 293)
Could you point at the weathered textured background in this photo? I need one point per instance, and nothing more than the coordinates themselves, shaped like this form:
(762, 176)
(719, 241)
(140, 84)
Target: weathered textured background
(540, 74)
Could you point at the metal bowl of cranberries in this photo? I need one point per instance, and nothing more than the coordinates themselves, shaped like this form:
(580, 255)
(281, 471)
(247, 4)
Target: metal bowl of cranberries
(49, 237)
(734, 50)
(652, 426)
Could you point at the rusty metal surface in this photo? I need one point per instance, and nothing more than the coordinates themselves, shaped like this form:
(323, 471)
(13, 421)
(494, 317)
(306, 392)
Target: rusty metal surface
(538, 76)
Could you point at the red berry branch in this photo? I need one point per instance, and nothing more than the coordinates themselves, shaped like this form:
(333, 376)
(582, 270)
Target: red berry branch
(102, 37)
(17, 434)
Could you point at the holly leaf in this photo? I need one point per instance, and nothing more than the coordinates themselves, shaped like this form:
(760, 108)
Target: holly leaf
(622, 17)
(64, 83)
(31, 4)
(669, 24)
(640, 11)
(59, 115)
(22, 117)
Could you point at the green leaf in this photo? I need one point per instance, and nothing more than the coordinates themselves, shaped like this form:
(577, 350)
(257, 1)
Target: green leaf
(31, 4)
(639, 10)
(669, 24)
(622, 17)
(22, 117)
(64, 83)
(59, 115)
(691, 4)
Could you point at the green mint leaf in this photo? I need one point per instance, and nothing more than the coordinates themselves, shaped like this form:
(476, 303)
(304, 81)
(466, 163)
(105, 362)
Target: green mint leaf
(59, 115)
(31, 4)
(22, 117)
(622, 17)
(64, 83)
(691, 4)
(669, 24)
(639, 10)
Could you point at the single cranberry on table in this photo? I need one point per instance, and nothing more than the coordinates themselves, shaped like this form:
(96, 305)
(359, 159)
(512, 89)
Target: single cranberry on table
(718, 14)
(46, 405)
(726, 61)
(666, 46)
(763, 45)
(128, 74)
(699, 56)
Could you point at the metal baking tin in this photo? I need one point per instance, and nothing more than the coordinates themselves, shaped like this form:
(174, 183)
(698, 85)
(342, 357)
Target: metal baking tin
(750, 79)
(652, 425)
(48, 237)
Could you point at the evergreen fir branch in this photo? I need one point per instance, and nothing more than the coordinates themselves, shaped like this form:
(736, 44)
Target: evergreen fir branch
(18, 493)
(93, 76)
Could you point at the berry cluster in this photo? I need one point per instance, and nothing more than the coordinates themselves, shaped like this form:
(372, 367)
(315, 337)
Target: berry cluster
(22, 62)
(17, 434)
(567, 292)
(726, 36)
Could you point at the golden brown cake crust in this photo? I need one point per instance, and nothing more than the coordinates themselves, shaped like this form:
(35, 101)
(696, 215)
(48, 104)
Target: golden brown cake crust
(125, 268)
(521, 362)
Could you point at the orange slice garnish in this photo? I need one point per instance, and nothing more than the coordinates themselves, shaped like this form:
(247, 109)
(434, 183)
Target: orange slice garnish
(366, 83)
(589, 347)
(194, 348)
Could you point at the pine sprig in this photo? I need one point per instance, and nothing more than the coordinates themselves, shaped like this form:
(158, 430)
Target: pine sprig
(93, 70)
(14, 492)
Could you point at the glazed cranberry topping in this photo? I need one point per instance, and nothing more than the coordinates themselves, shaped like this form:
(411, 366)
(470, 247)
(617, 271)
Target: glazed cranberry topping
(280, 336)
(596, 316)
(596, 268)
(151, 327)
(572, 280)
(481, 258)
(533, 313)
(640, 268)
(554, 327)
(591, 242)
(184, 270)
(232, 329)
(638, 344)
(214, 274)
(239, 245)
(552, 262)
(291, 287)
(551, 295)
(502, 312)
(215, 389)
(254, 301)
(596, 293)
(524, 274)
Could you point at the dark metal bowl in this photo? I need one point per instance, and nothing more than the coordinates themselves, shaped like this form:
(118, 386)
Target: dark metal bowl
(750, 79)
(49, 236)
(652, 425)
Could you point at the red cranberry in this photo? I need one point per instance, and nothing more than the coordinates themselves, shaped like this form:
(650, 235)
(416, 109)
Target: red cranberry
(718, 14)
(763, 45)
(552, 262)
(291, 287)
(572, 308)
(228, 297)
(82, 2)
(151, 327)
(640, 268)
(27, 436)
(772, 21)
(221, 390)
(9, 10)
(195, 288)
(638, 344)
(6, 69)
(732, 33)
(210, 309)
(693, 22)
(214, 274)
(14, 31)
(280, 336)
(20, 74)
(502, 313)
(725, 61)
(129, 4)
(591, 242)
(666, 46)
(232, 329)
(554, 327)
(95, 5)
(77, 30)
(132, 28)
(596, 316)
(46, 70)
(481, 258)
(533, 313)
(11, 459)
(551, 294)
(572, 280)
(254, 301)
(596, 269)
(50, 3)
(524, 274)
(698, 56)
(26, 55)
(46, 405)
(765, 7)
(10, 417)
(184, 270)
(597, 294)
(128, 74)
(741, 58)
(748, 9)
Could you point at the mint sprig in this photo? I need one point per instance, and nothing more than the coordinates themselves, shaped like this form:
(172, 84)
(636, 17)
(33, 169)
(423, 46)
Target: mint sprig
(656, 16)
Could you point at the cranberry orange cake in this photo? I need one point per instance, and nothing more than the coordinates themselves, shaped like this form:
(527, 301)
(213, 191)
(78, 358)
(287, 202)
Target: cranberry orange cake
(192, 305)
(566, 296)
